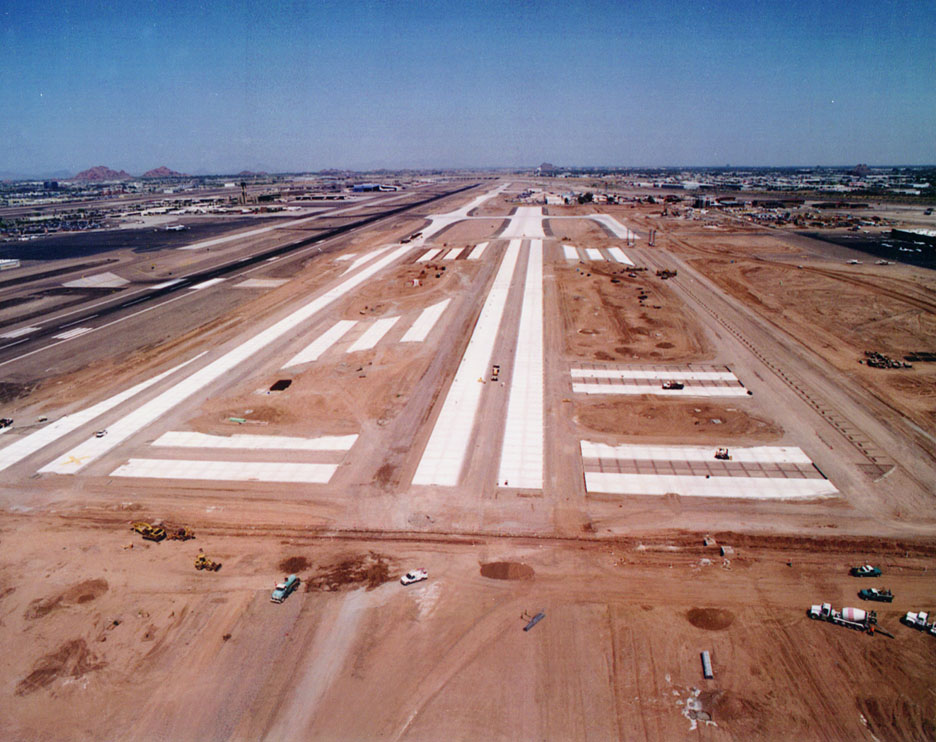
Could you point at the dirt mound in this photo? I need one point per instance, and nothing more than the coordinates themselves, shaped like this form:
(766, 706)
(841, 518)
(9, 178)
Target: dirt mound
(711, 619)
(294, 564)
(885, 715)
(83, 592)
(371, 570)
(507, 571)
(72, 659)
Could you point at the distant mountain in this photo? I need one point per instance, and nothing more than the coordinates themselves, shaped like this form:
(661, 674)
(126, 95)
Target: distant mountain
(162, 172)
(102, 173)
(251, 174)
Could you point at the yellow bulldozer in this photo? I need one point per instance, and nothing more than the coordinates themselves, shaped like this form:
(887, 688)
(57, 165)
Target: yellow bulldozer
(148, 532)
(182, 533)
(203, 562)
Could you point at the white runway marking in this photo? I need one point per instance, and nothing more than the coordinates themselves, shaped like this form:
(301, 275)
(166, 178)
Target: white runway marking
(189, 439)
(206, 284)
(617, 229)
(231, 471)
(755, 454)
(521, 462)
(759, 488)
(594, 253)
(322, 343)
(72, 333)
(645, 373)
(91, 449)
(424, 323)
(442, 460)
(261, 283)
(349, 256)
(106, 280)
(619, 255)
(526, 222)
(373, 334)
(427, 256)
(18, 332)
(366, 258)
(570, 252)
(453, 254)
(20, 449)
(166, 284)
(687, 391)
(478, 251)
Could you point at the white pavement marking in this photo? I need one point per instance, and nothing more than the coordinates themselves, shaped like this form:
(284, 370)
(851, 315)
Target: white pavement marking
(165, 284)
(18, 332)
(645, 373)
(526, 222)
(442, 460)
(188, 439)
(686, 391)
(106, 280)
(427, 256)
(619, 255)
(453, 254)
(72, 333)
(232, 471)
(438, 222)
(261, 283)
(20, 449)
(594, 253)
(86, 452)
(206, 284)
(323, 342)
(617, 229)
(349, 256)
(754, 454)
(424, 323)
(373, 334)
(521, 462)
(570, 252)
(367, 257)
(760, 488)
(478, 251)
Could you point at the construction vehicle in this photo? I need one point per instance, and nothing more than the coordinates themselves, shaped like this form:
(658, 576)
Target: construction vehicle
(6, 422)
(673, 385)
(284, 589)
(495, 372)
(722, 454)
(664, 274)
(872, 593)
(852, 618)
(203, 562)
(416, 575)
(182, 533)
(865, 570)
(919, 620)
(148, 532)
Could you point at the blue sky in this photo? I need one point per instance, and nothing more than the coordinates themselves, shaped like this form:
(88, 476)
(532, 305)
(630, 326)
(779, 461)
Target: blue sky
(218, 87)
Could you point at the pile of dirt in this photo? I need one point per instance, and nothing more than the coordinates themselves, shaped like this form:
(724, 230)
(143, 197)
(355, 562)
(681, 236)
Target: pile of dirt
(371, 570)
(293, 565)
(10, 391)
(507, 571)
(710, 619)
(740, 714)
(83, 592)
(72, 659)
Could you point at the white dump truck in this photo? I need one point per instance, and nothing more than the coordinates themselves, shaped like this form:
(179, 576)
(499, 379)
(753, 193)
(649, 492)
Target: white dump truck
(853, 618)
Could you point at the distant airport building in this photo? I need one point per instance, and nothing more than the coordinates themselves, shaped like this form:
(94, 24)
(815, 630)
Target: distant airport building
(366, 187)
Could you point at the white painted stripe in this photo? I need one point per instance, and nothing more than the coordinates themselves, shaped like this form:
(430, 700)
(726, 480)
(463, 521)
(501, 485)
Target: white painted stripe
(373, 334)
(261, 283)
(322, 343)
(106, 280)
(425, 322)
(206, 284)
(753, 454)
(165, 284)
(18, 332)
(687, 391)
(427, 256)
(571, 253)
(645, 373)
(594, 253)
(618, 229)
(442, 460)
(619, 255)
(526, 222)
(522, 452)
(366, 258)
(452, 254)
(231, 471)
(478, 251)
(349, 256)
(28, 445)
(190, 439)
(758, 488)
(91, 449)
(72, 333)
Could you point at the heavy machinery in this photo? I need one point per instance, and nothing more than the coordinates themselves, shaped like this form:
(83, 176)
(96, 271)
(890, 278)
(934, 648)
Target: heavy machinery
(919, 620)
(866, 570)
(148, 532)
(284, 589)
(872, 593)
(722, 454)
(495, 372)
(182, 533)
(203, 562)
(673, 385)
(6, 422)
(852, 618)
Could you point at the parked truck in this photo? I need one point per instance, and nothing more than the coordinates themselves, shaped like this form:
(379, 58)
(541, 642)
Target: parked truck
(920, 620)
(866, 570)
(852, 618)
(872, 593)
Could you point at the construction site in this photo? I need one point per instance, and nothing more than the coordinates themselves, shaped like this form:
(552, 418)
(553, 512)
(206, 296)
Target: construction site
(446, 462)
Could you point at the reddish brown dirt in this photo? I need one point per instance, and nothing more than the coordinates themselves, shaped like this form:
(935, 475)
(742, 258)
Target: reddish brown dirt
(507, 571)
(710, 619)
(73, 659)
(368, 570)
(83, 592)
(292, 565)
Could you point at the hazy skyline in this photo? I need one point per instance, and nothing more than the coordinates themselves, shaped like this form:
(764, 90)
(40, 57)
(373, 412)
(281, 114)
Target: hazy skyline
(214, 87)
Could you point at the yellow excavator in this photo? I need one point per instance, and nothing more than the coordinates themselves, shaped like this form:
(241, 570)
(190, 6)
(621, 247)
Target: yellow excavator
(148, 532)
(203, 562)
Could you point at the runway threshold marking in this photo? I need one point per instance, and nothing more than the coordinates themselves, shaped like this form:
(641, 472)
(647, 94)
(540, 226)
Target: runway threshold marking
(478, 251)
(322, 343)
(230, 471)
(192, 439)
(373, 334)
(424, 323)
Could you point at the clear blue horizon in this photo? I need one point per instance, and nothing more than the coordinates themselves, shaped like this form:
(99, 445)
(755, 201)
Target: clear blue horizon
(293, 86)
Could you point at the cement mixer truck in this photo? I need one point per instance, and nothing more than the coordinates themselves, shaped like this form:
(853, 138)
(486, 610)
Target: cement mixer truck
(853, 618)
